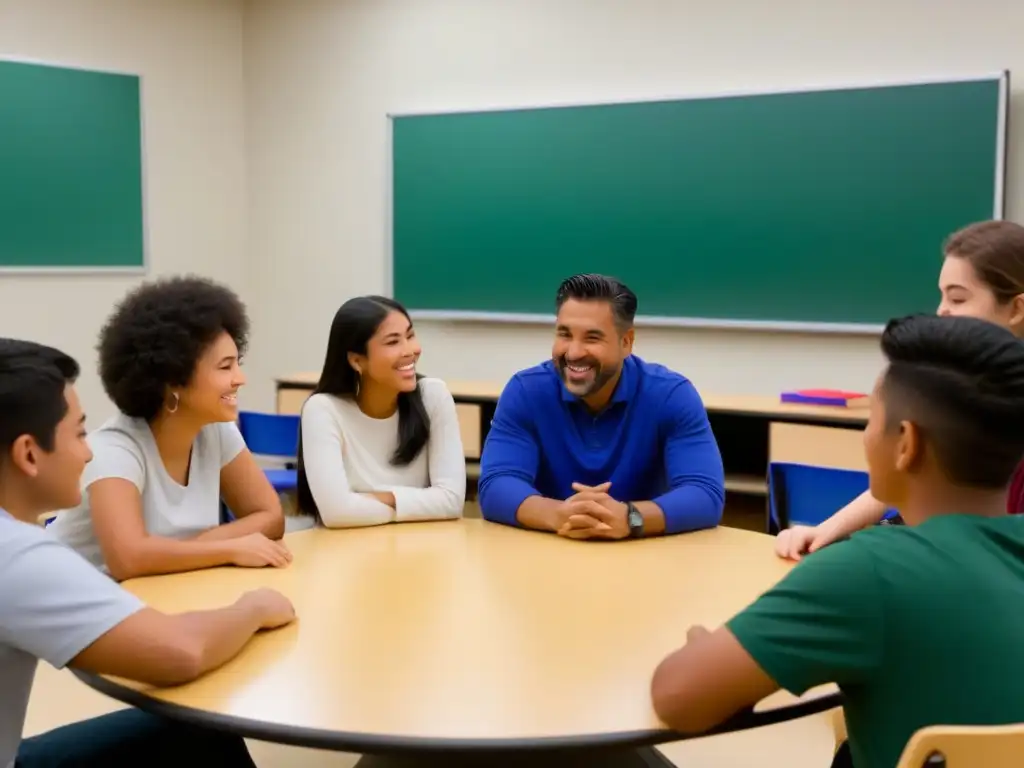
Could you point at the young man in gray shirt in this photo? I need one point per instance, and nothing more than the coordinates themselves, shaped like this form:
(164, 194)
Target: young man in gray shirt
(57, 607)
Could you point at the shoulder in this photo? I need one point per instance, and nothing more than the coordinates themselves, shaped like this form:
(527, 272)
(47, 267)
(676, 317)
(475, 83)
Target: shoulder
(27, 550)
(16, 536)
(669, 394)
(843, 575)
(435, 394)
(224, 435)
(537, 380)
(322, 404)
(120, 432)
(655, 378)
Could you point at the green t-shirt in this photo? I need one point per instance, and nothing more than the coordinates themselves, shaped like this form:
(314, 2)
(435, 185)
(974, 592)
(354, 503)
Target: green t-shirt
(918, 626)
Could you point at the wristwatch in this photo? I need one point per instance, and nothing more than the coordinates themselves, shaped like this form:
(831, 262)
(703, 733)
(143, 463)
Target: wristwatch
(635, 520)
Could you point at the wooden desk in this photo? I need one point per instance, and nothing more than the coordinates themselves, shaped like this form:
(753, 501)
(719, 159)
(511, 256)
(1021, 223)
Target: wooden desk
(751, 430)
(444, 638)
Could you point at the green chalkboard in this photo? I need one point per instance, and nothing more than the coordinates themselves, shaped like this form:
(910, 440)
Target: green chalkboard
(817, 209)
(71, 194)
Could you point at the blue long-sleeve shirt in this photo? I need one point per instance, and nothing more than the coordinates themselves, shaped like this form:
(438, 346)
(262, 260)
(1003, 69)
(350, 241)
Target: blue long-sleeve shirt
(653, 442)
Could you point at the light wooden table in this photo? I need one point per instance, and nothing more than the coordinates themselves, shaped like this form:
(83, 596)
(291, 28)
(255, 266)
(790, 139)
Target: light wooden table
(442, 639)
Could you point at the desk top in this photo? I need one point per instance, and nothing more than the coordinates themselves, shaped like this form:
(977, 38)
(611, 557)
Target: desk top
(461, 635)
(752, 405)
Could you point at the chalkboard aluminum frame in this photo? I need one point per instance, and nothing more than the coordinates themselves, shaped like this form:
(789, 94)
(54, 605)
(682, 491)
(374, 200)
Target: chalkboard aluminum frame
(652, 321)
(144, 268)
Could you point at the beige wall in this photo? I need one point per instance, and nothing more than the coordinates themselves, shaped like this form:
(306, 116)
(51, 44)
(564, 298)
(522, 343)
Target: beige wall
(321, 75)
(189, 53)
(266, 142)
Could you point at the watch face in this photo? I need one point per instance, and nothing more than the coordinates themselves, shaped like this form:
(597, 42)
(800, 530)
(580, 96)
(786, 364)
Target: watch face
(635, 518)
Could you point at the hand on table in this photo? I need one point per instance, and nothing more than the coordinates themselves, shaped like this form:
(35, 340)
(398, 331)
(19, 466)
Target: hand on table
(256, 551)
(273, 609)
(591, 513)
(695, 633)
(799, 540)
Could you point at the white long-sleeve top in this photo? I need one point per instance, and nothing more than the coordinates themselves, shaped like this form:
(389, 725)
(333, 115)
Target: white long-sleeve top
(347, 454)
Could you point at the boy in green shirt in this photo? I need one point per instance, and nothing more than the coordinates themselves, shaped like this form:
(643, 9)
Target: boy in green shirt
(918, 625)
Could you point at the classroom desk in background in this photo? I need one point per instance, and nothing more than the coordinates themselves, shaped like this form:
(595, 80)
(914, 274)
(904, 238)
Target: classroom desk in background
(433, 642)
(751, 430)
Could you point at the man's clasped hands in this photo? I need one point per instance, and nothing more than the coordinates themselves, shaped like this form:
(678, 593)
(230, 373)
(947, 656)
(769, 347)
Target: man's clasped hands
(591, 513)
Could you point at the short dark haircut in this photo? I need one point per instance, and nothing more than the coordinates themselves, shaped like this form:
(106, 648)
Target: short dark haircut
(591, 287)
(33, 378)
(996, 251)
(157, 334)
(354, 324)
(961, 381)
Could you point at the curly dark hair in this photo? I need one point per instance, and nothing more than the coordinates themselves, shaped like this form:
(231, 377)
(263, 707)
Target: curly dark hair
(157, 334)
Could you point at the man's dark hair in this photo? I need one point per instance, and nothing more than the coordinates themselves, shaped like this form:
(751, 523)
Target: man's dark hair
(961, 381)
(33, 378)
(591, 287)
(158, 333)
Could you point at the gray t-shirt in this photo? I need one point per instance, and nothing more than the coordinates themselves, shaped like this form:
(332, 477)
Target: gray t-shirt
(53, 605)
(124, 448)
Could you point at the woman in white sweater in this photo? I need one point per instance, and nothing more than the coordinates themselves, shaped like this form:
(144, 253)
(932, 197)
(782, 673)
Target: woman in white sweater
(379, 443)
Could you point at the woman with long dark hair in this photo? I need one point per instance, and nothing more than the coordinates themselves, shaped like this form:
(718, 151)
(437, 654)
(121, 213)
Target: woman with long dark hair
(379, 443)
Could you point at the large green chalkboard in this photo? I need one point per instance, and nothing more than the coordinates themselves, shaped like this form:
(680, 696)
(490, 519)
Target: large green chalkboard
(71, 186)
(819, 209)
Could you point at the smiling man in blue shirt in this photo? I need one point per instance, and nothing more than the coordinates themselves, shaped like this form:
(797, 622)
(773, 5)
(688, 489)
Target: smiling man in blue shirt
(596, 443)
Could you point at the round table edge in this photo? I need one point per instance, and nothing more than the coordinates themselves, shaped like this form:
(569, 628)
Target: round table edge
(376, 743)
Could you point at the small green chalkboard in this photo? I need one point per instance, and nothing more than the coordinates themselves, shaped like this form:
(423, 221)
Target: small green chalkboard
(71, 169)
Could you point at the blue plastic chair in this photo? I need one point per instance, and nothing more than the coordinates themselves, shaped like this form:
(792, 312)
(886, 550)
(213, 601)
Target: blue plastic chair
(804, 494)
(274, 435)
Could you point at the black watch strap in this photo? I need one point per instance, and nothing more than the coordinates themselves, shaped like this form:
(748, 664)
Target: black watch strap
(635, 520)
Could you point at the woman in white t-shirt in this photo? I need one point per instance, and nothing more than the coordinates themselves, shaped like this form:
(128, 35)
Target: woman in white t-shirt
(169, 360)
(380, 443)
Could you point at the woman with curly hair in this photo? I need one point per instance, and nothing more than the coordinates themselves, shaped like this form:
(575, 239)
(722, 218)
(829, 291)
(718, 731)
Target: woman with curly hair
(169, 360)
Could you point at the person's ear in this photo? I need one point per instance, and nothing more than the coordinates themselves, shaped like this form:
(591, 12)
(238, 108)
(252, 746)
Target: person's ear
(25, 455)
(627, 341)
(1017, 314)
(356, 362)
(909, 447)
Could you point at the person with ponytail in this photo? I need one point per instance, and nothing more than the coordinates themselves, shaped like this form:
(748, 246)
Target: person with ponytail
(379, 443)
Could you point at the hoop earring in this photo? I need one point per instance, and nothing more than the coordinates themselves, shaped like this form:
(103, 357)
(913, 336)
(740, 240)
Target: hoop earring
(177, 401)
(359, 381)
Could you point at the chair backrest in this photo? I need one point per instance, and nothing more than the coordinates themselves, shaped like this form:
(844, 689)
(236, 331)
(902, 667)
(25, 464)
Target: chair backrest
(804, 494)
(270, 434)
(961, 746)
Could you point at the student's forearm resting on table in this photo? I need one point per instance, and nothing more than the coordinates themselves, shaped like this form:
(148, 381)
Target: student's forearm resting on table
(707, 681)
(267, 522)
(446, 462)
(822, 623)
(435, 503)
(129, 551)
(863, 511)
(166, 650)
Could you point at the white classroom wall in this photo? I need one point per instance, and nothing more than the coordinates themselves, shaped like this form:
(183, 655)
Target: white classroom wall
(322, 74)
(189, 53)
(266, 143)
